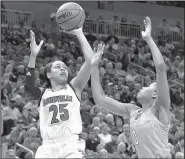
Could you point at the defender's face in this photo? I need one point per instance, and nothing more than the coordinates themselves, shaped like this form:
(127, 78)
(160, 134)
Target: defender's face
(59, 72)
(146, 93)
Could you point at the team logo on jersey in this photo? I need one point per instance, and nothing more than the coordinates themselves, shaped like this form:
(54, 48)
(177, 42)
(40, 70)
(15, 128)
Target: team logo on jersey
(54, 99)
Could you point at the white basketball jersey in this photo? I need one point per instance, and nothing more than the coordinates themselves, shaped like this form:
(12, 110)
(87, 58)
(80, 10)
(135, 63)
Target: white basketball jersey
(59, 114)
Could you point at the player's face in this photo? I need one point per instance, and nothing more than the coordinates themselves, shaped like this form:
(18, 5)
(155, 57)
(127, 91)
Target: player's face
(146, 93)
(58, 72)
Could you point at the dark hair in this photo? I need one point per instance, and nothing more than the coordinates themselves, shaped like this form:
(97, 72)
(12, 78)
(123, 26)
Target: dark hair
(47, 69)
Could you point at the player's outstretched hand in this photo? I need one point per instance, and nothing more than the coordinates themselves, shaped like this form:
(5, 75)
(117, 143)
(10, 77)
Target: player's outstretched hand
(33, 46)
(98, 52)
(148, 28)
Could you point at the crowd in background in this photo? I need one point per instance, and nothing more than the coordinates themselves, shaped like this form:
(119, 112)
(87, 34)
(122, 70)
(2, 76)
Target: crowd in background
(126, 67)
(166, 3)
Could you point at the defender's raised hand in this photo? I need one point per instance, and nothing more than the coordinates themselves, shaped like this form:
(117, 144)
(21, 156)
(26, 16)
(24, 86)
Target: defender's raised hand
(33, 46)
(97, 55)
(148, 28)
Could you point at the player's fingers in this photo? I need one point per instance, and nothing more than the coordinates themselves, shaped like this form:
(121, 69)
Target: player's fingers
(142, 32)
(41, 43)
(99, 47)
(33, 38)
(148, 19)
(102, 50)
(32, 34)
(94, 50)
(144, 23)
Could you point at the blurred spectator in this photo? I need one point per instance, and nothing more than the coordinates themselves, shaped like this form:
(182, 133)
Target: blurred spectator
(125, 135)
(17, 133)
(179, 155)
(96, 122)
(74, 50)
(110, 121)
(115, 24)
(111, 146)
(32, 142)
(90, 37)
(174, 28)
(104, 136)
(11, 154)
(164, 27)
(96, 130)
(92, 141)
(104, 154)
(119, 124)
(120, 153)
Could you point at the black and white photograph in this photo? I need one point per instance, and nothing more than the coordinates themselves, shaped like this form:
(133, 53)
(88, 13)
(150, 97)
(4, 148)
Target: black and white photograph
(92, 79)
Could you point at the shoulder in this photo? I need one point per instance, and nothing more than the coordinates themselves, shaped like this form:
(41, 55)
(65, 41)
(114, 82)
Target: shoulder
(134, 110)
(161, 113)
(76, 91)
(131, 108)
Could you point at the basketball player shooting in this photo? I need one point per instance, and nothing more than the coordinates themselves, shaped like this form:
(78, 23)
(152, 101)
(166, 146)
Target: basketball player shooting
(59, 102)
(149, 125)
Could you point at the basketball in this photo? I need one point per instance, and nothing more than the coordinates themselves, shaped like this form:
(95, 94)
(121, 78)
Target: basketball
(70, 16)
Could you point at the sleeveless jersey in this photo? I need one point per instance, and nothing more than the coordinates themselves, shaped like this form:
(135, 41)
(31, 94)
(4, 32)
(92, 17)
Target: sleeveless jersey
(59, 114)
(149, 135)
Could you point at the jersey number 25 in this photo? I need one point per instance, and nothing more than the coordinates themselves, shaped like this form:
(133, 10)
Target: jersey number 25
(64, 113)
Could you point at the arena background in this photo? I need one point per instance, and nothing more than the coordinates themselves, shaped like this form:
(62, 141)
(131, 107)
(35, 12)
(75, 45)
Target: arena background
(126, 66)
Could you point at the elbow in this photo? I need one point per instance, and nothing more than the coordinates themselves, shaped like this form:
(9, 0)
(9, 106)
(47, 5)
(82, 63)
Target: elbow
(98, 99)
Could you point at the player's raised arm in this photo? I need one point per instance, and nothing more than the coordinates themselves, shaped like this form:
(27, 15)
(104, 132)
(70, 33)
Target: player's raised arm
(163, 95)
(98, 94)
(83, 76)
(30, 77)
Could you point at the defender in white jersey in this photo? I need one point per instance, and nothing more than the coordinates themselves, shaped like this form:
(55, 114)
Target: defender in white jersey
(59, 105)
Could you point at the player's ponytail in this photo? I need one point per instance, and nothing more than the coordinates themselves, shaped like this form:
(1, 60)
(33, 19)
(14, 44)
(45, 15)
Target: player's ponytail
(46, 70)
